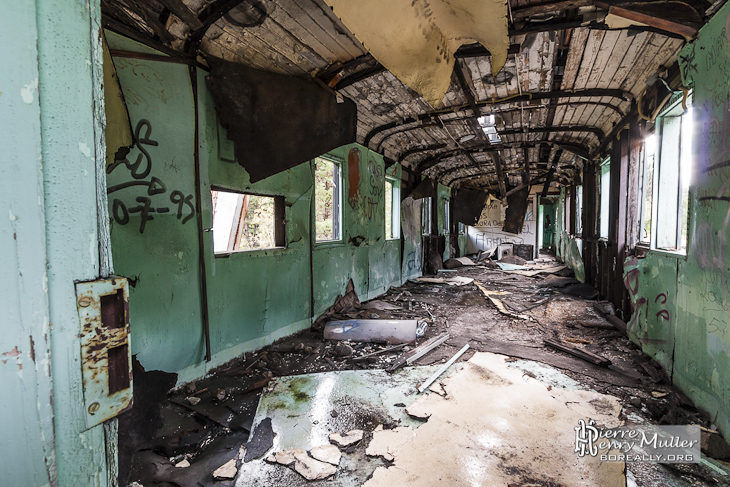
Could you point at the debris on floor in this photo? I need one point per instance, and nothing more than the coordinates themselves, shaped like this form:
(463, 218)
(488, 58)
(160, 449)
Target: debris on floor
(390, 332)
(349, 438)
(321, 394)
(523, 434)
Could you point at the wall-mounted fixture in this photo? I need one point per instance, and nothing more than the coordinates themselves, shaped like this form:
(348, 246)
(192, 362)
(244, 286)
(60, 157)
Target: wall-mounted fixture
(103, 308)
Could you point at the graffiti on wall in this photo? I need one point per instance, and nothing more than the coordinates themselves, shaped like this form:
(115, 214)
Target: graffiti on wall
(157, 199)
(368, 202)
(640, 304)
(487, 233)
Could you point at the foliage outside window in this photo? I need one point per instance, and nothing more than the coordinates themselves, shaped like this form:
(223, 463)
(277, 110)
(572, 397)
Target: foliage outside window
(246, 221)
(392, 208)
(327, 200)
(672, 178)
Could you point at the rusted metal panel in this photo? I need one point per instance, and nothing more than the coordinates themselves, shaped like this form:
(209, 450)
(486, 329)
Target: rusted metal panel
(106, 362)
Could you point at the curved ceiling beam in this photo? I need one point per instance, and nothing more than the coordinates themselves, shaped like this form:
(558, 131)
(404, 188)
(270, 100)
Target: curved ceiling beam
(428, 163)
(538, 180)
(416, 150)
(556, 128)
(445, 175)
(538, 95)
(510, 110)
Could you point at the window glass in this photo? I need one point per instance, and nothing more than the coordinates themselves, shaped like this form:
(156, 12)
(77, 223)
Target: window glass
(327, 200)
(673, 178)
(426, 215)
(605, 196)
(246, 221)
(392, 208)
(649, 158)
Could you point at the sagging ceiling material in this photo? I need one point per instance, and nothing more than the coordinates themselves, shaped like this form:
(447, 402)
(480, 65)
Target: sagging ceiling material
(468, 205)
(514, 216)
(277, 122)
(416, 39)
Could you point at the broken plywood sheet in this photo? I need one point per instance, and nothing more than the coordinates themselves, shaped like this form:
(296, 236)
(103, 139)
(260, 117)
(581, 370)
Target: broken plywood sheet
(416, 40)
(533, 271)
(499, 304)
(497, 427)
(451, 281)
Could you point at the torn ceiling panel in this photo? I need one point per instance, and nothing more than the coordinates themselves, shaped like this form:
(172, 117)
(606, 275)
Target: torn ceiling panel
(118, 131)
(468, 205)
(514, 216)
(275, 121)
(416, 39)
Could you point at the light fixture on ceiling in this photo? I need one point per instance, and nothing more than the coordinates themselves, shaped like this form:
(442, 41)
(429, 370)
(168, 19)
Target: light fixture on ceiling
(467, 138)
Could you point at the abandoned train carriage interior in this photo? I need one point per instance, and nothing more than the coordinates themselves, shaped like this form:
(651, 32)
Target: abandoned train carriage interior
(269, 242)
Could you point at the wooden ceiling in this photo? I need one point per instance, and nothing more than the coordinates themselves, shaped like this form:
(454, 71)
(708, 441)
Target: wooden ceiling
(569, 80)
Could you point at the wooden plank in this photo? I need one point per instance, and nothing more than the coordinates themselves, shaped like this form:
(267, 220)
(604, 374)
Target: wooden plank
(575, 55)
(665, 55)
(577, 352)
(341, 47)
(323, 16)
(663, 24)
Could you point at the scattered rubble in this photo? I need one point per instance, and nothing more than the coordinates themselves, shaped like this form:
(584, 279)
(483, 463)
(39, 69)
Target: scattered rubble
(327, 453)
(226, 471)
(199, 426)
(349, 438)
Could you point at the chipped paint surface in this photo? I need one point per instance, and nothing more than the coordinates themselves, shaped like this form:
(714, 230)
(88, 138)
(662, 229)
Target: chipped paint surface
(27, 92)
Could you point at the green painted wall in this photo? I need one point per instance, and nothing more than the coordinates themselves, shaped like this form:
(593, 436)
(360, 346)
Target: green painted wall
(254, 297)
(50, 237)
(682, 304)
(364, 255)
(26, 416)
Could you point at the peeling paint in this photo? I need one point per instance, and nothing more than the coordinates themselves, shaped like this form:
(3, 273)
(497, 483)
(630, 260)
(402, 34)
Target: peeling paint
(85, 149)
(27, 92)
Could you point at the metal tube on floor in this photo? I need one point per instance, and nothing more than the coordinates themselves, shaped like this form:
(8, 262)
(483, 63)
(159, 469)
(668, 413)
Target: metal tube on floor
(443, 368)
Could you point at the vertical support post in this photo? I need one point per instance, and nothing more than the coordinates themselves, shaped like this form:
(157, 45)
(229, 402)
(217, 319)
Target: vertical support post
(617, 218)
(199, 212)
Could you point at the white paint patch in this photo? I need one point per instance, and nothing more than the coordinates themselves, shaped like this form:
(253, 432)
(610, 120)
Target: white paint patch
(93, 248)
(84, 149)
(27, 91)
(180, 255)
(12, 216)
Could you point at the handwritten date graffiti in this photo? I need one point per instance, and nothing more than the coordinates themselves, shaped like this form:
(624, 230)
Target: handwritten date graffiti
(184, 207)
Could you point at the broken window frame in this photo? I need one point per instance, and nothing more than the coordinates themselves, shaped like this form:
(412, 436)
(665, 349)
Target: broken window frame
(604, 184)
(394, 196)
(579, 211)
(646, 216)
(447, 217)
(280, 241)
(669, 166)
(338, 210)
